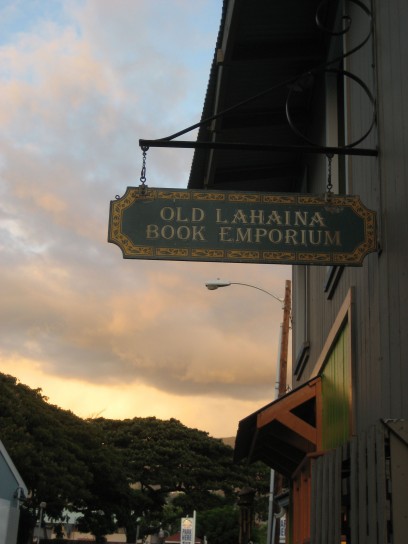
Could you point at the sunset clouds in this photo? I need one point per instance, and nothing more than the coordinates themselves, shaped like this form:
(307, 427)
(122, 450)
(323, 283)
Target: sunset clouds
(81, 82)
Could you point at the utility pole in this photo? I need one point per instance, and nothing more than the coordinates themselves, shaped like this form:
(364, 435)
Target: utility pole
(275, 484)
(283, 360)
(277, 480)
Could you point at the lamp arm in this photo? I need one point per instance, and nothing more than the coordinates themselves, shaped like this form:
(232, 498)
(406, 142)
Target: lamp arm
(259, 289)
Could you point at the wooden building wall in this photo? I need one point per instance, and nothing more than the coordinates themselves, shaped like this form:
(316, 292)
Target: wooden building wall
(379, 334)
(392, 80)
(358, 490)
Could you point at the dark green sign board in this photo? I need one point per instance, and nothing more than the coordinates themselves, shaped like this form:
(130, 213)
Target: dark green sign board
(230, 226)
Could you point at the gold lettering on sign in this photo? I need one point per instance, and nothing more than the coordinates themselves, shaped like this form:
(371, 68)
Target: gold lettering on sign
(176, 214)
(291, 237)
(287, 218)
(168, 232)
(238, 227)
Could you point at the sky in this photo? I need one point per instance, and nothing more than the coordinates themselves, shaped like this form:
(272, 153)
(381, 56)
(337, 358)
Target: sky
(81, 81)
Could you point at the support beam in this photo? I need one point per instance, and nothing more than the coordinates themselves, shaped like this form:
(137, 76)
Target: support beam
(237, 146)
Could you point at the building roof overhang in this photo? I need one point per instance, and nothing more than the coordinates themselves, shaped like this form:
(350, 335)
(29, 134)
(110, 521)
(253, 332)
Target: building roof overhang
(13, 485)
(283, 432)
(260, 46)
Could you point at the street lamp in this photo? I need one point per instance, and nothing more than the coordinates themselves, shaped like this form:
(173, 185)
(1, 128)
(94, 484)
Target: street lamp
(284, 340)
(281, 371)
(216, 284)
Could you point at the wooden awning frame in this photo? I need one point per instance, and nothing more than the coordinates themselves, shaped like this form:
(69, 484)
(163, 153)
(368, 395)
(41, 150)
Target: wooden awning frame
(282, 433)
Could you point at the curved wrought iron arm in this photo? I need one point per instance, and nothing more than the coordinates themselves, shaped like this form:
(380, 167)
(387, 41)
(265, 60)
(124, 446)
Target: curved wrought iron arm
(289, 81)
(365, 89)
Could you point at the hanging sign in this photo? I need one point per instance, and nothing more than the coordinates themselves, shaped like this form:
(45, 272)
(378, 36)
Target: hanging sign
(230, 226)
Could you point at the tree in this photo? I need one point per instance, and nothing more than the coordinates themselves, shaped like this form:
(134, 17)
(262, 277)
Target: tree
(141, 472)
(219, 525)
(175, 457)
(169, 461)
(59, 455)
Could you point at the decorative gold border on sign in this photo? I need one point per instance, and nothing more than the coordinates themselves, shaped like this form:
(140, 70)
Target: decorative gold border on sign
(115, 234)
(332, 204)
(320, 258)
(279, 256)
(172, 195)
(243, 255)
(279, 199)
(209, 196)
(242, 197)
(316, 199)
(140, 251)
(172, 252)
(359, 253)
(208, 253)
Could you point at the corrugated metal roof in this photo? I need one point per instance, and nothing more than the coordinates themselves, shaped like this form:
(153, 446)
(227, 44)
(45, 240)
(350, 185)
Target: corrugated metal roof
(261, 45)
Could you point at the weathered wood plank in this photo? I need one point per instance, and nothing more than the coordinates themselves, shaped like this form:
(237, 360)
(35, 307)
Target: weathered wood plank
(325, 499)
(354, 487)
(338, 455)
(329, 485)
(381, 513)
(371, 487)
(399, 479)
(319, 502)
(362, 490)
(313, 500)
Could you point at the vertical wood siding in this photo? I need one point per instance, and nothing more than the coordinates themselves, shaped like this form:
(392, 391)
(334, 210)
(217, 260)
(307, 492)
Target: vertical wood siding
(380, 334)
(350, 492)
(392, 72)
(301, 493)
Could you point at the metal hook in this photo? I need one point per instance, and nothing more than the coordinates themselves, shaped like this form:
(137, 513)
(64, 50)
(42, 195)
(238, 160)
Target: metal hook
(329, 187)
(143, 186)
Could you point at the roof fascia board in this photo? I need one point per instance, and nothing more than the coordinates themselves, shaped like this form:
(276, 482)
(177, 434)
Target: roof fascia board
(12, 467)
(344, 313)
(222, 57)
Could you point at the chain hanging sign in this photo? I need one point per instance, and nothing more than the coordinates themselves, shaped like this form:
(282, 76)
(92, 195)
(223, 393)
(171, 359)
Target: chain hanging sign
(230, 226)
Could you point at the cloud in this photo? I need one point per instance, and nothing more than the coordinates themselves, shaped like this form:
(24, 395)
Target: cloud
(81, 82)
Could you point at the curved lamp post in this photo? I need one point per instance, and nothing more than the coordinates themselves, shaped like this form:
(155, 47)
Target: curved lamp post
(216, 284)
(284, 342)
(282, 372)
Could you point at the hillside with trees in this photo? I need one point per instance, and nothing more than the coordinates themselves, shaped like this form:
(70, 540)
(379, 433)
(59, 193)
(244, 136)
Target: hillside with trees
(115, 472)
